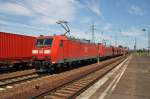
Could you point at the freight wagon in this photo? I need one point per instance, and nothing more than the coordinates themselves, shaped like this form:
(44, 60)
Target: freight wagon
(15, 49)
(109, 51)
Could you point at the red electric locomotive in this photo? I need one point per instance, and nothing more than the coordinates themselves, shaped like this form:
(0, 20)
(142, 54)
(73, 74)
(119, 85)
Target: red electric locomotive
(59, 49)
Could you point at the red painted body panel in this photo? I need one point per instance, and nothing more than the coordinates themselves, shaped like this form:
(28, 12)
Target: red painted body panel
(14, 47)
(108, 51)
(101, 50)
(115, 50)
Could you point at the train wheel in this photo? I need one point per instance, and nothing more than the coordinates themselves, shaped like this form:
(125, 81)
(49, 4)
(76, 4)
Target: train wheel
(65, 65)
(24, 66)
(58, 67)
(16, 66)
(70, 65)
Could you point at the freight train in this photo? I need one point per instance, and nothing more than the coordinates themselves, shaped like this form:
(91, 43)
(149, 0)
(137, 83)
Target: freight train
(51, 51)
(15, 49)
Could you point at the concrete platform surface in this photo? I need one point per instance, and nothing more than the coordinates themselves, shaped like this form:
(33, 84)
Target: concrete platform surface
(131, 82)
(135, 83)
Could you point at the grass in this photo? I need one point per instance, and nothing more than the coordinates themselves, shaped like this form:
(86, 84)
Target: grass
(141, 53)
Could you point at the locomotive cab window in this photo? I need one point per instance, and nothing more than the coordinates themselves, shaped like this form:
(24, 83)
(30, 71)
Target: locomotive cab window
(44, 42)
(48, 42)
(39, 42)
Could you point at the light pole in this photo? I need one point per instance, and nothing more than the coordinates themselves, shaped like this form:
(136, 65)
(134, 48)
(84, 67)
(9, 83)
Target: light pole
(93, 32)
(135, 45)
(147, 40)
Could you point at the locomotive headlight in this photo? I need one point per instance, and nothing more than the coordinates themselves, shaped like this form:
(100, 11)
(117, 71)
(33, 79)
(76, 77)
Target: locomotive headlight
(34, 51)
(47, 51)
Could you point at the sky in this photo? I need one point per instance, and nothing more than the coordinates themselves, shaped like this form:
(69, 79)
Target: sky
(118, 21)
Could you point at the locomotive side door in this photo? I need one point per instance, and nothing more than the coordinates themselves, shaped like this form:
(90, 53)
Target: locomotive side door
(64, 50)
(61, 50)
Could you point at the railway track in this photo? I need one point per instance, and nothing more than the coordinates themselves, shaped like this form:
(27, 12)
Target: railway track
(15, 80)
(16, 74)
(74, 88)
(66, 84)
(9, 80)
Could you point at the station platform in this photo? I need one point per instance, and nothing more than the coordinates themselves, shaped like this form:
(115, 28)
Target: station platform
(131, 82)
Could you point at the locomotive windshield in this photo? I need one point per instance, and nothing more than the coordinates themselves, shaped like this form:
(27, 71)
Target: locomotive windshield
(44, 42)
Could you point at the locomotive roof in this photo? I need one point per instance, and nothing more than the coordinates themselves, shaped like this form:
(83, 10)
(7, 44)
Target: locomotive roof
(44, 37)
(80, 40)
(69, 38)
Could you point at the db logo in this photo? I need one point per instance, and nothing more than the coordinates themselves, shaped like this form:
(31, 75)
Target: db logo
(40, 51)
(85, 49)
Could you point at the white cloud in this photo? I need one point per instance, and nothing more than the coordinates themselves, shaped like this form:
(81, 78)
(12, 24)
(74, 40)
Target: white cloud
(42, 12)
(107, 28)
(16, 9)
(95, 9)
(43, 20)
(93, 6)
(137, 10)
(3, 22)
(86, 20)
(132, 32)
(49, 11)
